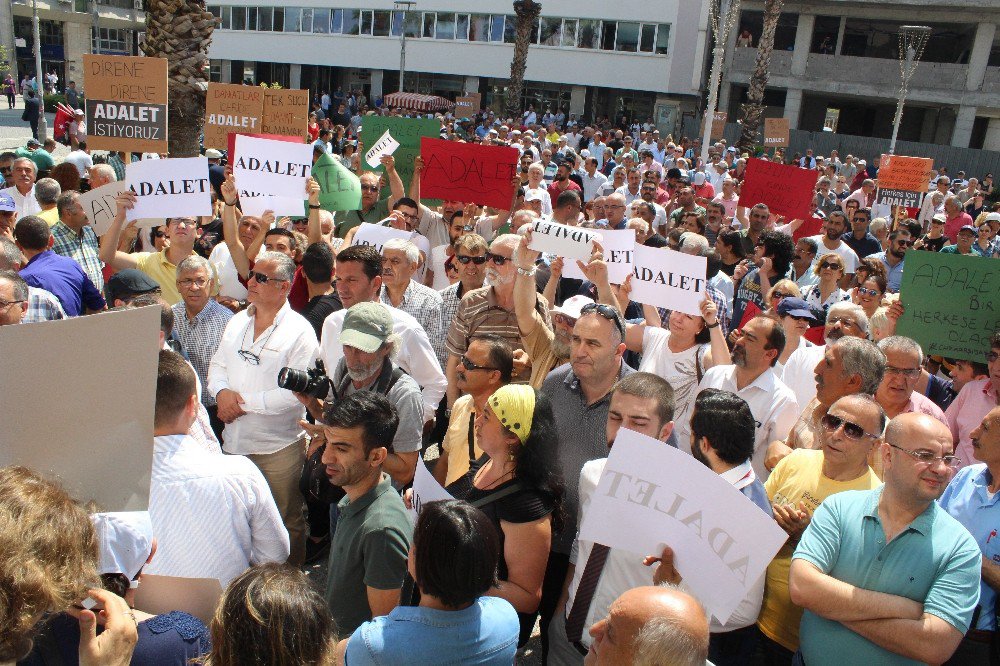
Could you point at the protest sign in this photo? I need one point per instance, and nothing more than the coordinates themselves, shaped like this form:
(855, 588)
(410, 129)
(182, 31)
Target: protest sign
(408, 131)
(811, 226)
(467, 106)
(256, 204)
(339, 188)
(231, 141)
(386, 145)
(99, 442)
(275, 168)
(285, 112)
(175, 187)
(376, 235)
(100, 207)
(126, 105)
(902, 181)
(719, 124)
(776, 132)
(468, 172)
(562, 240)
(668, 279)
(652, 495)
(231, 108)
(951, 303)
(787, 190)
(618, 246)
(159, 595)
(425, 489)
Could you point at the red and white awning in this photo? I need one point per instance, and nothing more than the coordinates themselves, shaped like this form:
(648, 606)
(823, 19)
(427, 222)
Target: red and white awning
(417, 102)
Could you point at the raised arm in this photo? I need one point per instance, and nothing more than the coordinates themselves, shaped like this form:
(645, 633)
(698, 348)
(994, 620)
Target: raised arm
(230, 226)
(524, 287)
(396, 191)
(315, 224)
(109, 252)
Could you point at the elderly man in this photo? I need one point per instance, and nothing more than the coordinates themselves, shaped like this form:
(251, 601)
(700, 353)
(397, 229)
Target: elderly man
(400, 261)
(851, 567)
(904, 359)
(23, 174)
(955, 218)
(373, 209)
(101, 175)
(262, 419)
(470, 261)
(47, 191)
(13, 298)
(973, 402)
(614, 211)
(73, 237)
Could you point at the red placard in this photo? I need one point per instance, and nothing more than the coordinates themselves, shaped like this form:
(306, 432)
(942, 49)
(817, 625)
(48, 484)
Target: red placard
(816, 335)
(787, 190)
(468, 172)
(813, 226)
(749, 312)
(231, 153)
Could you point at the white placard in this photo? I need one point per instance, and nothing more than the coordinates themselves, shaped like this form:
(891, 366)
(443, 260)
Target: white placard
(425, 489)
(618, 247)
(174, 187)
(386, 145)
(277, 168)
(377, 235)
(254, 204)
(652, 495)
(563, 240)
(667, 279)
(100, 207)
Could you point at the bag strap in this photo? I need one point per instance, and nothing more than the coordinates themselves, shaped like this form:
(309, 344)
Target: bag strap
(472, 434)
(497, 496)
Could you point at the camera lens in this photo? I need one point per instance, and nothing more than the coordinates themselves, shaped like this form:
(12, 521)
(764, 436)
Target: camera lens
(293, 380)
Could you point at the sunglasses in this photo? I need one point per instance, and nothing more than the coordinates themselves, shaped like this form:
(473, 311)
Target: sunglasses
(263, 279)
(298, 222)
(852, 430)
(497, 259)
(780, 294)
(465, 259)
(864, 291)
(159, 234)
(830, 264)
(369, 188)
(903, 242)
(608, 313)
(469, 365)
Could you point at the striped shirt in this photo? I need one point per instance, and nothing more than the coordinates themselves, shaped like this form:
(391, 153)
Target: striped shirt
(81, 247)
(422, 303)
(200, 336)
(42, 306)
(451, 296)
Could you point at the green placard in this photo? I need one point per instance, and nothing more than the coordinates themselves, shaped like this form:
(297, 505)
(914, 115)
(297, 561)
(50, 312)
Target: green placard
(339, 188)
(951, 302)
(405, 130)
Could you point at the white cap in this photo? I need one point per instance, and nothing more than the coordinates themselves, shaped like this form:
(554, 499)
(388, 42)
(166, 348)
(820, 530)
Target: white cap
(993, 217)
(125, 540)
(699, 178)
(534, 194)
(572, 306)
(213, 154)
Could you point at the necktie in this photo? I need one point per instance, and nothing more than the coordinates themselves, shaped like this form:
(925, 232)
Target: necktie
(585, 592)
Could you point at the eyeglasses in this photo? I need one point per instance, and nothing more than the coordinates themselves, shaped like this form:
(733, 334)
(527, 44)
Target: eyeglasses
(497, 259)
(197, 284)
(859, 218)
(852, 430)
(929, 458)
(159, 234)
(607, 312)
(369, 188)
(6, 304)
(469, 365)
(297, 222)
(613, 206)
(780, 294)
(411, 218)
(830, 264)
(465, 259)
(263, 279)
(864, 291)
(843, 321)
(909, 373)
(904, 242)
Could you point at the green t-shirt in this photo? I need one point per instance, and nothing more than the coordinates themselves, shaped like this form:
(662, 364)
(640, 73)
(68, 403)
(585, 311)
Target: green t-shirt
(348, 219)
(40, 157)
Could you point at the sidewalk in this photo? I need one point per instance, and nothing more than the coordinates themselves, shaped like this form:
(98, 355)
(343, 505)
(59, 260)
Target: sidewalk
(14, 132)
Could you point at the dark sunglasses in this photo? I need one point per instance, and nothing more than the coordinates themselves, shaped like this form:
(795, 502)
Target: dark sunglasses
(369, 188)
(608, 313)
(868, 292)
(904, 242)
(300, 222)
(478, 261)
(263, 279)
(830, 264)
(497, 259)
(780, 294)
(159, 234)
(469, 365)
(852, 430)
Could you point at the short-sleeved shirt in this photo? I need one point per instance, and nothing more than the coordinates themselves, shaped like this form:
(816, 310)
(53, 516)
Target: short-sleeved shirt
(369, 549)
(200, 336)
(348, 219)
(966, 412)
(456, 439)
(863, 246)
(934, 561)
(893, 274)
(157, 266)
(683, 370)
(843, 250)
(83, 248)
(405, 398)
(65, 279)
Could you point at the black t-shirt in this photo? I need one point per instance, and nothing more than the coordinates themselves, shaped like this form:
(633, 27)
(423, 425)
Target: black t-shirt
(319, 308)
(933, 244)
(656, 240)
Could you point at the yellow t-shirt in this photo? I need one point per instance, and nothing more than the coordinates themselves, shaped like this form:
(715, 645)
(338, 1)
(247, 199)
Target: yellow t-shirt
(157, 266)
(51, 216)
(456, 440)
(797, 478)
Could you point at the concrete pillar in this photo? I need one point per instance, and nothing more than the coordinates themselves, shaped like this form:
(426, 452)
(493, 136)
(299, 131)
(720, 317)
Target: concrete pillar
(376, 83)
(992, 140)
(295, 77)
(980, 55)
(929, 125)
(578, 100)
(793, 107)
(803, 40)
(945, 125)
(840, 34)
(76, 42)
(962, 133)
(471, 84)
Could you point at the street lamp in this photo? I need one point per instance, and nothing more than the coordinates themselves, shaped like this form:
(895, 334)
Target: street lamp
(43, 129)
(912, 40)
(722, 18)
(405, 6)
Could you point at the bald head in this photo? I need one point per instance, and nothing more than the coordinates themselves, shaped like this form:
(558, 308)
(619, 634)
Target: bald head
(909, 437)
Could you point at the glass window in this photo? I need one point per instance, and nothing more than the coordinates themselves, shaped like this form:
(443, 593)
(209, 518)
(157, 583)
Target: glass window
(496, 28)
(429, 20)
(336, 21)
(412, 24)
(628, 37)
(352, 20)
(479, 28)
(214, 10)
(648, 37)
(321, 20)
(445, 26)
(293, 19)
(551, 31)
(251, 18)
(662, 38)
(509, 30)
(569, 32)
(215, 71)
(366, 21)
(239, 18)
(380, 25)
(81, 6)
(307, 19)
(462, 26)
(608, 29)
(397, 24)
(110, 41)
(588, 34)
(265, 18)
(279, 19)
(227, 18)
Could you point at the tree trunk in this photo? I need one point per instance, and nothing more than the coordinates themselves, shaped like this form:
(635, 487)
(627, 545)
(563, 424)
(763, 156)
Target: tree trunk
(527, 13)
(181, 31)
(752, 111)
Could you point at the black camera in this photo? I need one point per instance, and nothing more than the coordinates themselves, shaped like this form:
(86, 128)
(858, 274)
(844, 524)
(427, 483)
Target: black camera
(311, 381)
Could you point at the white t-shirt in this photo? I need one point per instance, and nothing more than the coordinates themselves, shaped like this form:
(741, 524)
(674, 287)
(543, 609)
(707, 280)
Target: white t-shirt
(848, 255)
(229, 279)
(439, 255)
(81, 161)
(678, 368)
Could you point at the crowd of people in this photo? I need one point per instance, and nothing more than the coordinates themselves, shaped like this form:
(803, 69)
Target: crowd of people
(303, 379)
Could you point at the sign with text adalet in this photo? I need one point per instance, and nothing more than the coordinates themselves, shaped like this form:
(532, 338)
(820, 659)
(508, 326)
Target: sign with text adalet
(618, 246)
(408, 132)
(563, 240)
(100, 207)
(175, 187)
(667, 279)
(468, 172)
(285, 112)
(652, 495)
(340, 188)
(902, 181)
(231, 108)
(787, 190)
(776, 132)
(951, 303)
(126, 103)
(273, 168)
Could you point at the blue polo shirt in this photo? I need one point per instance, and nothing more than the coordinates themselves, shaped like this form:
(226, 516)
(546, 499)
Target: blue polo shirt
(968, 501)
(863, 246)
(934, 560)
(893, 274)
(65, 279)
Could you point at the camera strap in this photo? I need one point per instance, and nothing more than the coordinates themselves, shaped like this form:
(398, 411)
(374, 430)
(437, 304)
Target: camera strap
(386, 380)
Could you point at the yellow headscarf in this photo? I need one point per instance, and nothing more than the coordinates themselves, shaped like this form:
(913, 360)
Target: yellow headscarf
(514, 405)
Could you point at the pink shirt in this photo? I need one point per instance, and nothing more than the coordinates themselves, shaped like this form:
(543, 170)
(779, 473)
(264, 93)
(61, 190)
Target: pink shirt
(966, 412)
(952, 225)
(921, 404)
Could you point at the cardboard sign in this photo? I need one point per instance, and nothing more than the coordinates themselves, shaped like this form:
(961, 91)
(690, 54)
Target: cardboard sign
(408, 131)
(285, 112)
(563, 240)
(376, 235)
(951, 303)
(340, 188)
(468, 172)
(158, 595)
(776, 132)
(256, 204)
(787, 190)
(100, 207)
(231, 108)
(652, 495)
(718, 125)
(618, 247)
(811, 226)
(275, 168)
(231, 141)
(467, 106)
(425, 489)
(99, 443)
(668, 279)
(910, 174)
(126, 103)
(386, 145)
(175, 187)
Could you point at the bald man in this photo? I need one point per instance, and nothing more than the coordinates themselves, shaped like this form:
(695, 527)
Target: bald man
(647, 626)
(886, 575)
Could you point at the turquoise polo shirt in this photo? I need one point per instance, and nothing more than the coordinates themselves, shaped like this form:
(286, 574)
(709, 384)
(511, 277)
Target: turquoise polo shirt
(934, 560)
(968, 501)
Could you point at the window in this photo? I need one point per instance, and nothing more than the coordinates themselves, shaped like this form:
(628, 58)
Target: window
(227, 18)
(214, 10)
(380, 24)
(569, 32)
(81, 6)
(366, 21)
(628, 37)
(551, 31)
(445, 26)
(608, 35)
(588, 34)
(352, 21)
(496, 28)
(252, 18)
(479, 28)
(336, 21)
(662, 38)
(321, 20)
(239, 18)
(215, 71)
(111, 41)
(430, 18)
(510, 29)
(279, 19)
(412, 24)
(647, 37)
(265, 18)
(307, 19)
(293, 19)
(462, 26)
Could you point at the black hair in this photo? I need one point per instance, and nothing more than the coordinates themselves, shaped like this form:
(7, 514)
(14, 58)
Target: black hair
(535, 462)
(780, 249)
(501, 354)
(734, 240)
(281, 231)
(366, 255)
(367, 410)
(32, 233)
(568, 197)
(713, 264)
(318, 262)
(648, 386)
(775, 337)
(725, 420)
(406, 201)
(175, 384)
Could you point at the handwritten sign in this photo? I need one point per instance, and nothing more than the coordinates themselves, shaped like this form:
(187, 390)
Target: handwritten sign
(951, 303)
(618, 246)
(285, 112)
(787, 190)
(468, 172)
(668, 279)
(408, 131)
(176, 187)
(719, 125)
(425, 489)
(811, 226)
(651, 495)
(563, 240)
(275, 168)
(126, 105)
(386, 145)
(339, 188)
(231, 108)
(468, 106)
(902, 181)
(100, 207)
(376, 235)
(776, 132)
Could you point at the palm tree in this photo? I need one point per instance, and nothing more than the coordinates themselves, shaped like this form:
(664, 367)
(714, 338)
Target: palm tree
(527, 12)
(752, 111)
(181, 31)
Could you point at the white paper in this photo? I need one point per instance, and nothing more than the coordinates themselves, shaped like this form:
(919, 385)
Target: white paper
(376, 235)
(618, 246)
(386, 145)
(99, 441)
(425, 489)
(174, 187)
(254, 204)
(667, 279)
(277, 168)
(100, 206)
(563, 240)
(652, 495)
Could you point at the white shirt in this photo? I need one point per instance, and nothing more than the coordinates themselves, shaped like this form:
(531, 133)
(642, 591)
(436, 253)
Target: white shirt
(591, 184)
(772, 404)
(678, 368)
(848, 255)
(438, 256)
(213, 515)
(416, 355)
(81, 161)
(229, 279)
(627, 193)
(799, 374)
(272, 414)
(25, 204)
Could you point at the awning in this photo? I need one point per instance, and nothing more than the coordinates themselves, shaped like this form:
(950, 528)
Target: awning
(417, 102)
